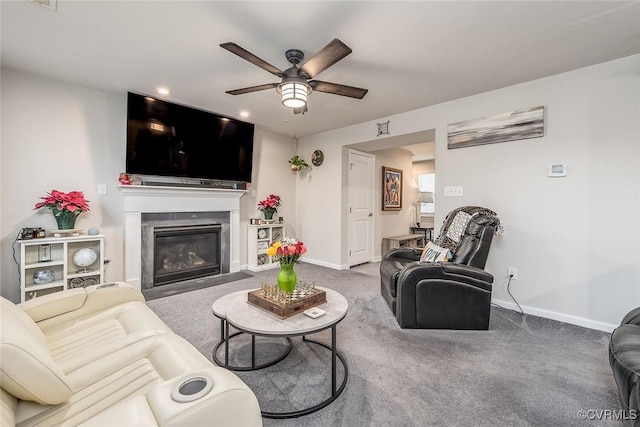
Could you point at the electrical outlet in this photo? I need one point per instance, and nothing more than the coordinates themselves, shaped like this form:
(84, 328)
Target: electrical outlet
(512, 272)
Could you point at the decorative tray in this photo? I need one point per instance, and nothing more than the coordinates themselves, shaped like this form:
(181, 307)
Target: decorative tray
(280, 304)
(64, 233)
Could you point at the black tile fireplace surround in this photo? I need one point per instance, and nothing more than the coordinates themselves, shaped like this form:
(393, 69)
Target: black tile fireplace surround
(179, 246)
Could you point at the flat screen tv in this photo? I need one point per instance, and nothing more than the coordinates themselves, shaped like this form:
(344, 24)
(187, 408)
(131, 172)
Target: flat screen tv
(167, 139)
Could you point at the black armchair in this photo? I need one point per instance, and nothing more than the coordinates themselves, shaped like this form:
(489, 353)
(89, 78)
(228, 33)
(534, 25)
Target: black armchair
(444, 295)
(624, 358)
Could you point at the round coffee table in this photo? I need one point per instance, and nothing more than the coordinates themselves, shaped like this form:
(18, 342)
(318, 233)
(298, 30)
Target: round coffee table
(233, 310)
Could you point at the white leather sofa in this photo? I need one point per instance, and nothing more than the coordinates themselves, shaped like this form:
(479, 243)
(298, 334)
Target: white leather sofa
(100, 357)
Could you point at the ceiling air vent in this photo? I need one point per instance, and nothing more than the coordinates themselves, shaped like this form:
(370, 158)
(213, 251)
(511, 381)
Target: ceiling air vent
(49, 4)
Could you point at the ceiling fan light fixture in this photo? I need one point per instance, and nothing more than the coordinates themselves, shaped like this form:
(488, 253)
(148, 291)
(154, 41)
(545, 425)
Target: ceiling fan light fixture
(294, 94)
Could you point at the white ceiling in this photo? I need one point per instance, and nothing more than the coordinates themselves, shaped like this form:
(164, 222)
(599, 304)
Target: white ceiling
(408, 54)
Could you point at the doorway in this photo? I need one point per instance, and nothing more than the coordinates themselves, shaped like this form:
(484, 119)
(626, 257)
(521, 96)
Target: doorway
(422, 146)
(360, 198)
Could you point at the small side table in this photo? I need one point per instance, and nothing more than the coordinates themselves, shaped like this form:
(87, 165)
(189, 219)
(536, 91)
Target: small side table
(411, 240)
(428, 232)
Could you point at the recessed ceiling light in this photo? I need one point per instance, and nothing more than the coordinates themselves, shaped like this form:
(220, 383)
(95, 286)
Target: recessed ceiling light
(163, 91)
(244, 114)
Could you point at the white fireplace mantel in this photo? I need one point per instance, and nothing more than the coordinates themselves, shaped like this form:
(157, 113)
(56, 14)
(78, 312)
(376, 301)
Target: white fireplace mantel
(139, 199)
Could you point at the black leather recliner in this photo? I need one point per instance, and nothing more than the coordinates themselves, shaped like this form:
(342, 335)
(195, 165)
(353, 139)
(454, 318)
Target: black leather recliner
(624, 358)
(444, 295)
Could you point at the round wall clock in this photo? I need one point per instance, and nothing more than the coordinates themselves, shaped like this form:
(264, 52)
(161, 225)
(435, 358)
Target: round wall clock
(317, 157)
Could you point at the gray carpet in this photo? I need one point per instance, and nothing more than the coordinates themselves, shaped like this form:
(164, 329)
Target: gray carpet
(524, 371)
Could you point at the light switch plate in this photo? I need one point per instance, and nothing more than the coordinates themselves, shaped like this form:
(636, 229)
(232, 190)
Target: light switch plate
(453, 191)
(102, 188)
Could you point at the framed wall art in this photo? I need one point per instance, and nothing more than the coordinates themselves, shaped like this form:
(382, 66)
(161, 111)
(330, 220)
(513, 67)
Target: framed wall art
(516, 125)
(391, 189)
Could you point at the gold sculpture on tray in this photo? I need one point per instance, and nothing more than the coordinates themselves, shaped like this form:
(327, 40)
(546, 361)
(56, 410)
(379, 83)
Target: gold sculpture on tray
(274, 293)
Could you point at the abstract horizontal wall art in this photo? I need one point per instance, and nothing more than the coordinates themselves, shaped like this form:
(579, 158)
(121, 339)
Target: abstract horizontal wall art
(520, 124)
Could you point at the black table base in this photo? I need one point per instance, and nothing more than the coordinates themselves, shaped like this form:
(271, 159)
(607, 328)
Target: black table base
(336, 389)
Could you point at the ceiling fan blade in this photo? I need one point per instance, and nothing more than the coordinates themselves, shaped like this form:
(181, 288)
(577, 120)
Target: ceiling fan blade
(252, 89)
(246, 55)
(336, 89)
(300, 110)
(325, 58)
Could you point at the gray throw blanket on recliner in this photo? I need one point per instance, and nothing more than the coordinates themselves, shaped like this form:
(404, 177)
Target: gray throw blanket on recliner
(455, 224)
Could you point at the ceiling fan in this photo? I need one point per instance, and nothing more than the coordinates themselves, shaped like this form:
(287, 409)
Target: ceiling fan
(296, 82)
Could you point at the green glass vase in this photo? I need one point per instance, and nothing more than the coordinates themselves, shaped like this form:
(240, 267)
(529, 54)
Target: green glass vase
(287, 278)
(66, 220)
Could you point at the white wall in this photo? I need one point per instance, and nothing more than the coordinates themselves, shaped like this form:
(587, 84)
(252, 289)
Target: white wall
(271, 175)
(61, 136)
(574, 240)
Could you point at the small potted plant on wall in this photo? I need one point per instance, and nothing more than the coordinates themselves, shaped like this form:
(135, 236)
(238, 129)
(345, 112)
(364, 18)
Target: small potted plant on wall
(297, 163)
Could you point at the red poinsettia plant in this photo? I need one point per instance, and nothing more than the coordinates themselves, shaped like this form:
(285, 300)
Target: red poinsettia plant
(271, 203)
(73, 202)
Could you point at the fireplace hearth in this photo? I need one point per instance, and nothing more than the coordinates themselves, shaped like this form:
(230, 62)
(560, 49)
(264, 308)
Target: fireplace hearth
(185, 252)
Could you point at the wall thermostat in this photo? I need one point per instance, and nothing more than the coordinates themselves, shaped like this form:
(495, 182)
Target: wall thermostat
(556, 171)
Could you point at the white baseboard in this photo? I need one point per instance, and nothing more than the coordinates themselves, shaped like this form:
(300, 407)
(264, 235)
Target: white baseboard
(561, 317)
(326, 264)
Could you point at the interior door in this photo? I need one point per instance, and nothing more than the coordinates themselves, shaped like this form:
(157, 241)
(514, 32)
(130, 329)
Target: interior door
(360, 196)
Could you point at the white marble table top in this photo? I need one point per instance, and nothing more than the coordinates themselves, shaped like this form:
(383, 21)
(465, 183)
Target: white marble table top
(240, 314)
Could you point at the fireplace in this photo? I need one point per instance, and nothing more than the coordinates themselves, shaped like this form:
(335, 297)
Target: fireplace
(178, 246)
(185, 252)
(147, 207)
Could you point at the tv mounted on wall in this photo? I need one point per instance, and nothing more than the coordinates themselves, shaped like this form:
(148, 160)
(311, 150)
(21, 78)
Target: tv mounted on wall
(167, 139)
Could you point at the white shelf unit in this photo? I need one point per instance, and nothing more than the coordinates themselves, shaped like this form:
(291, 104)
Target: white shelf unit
(260, 237)
(58, 252)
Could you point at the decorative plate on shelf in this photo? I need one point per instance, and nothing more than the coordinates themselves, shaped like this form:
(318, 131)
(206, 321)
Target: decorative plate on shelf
(84, 257)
